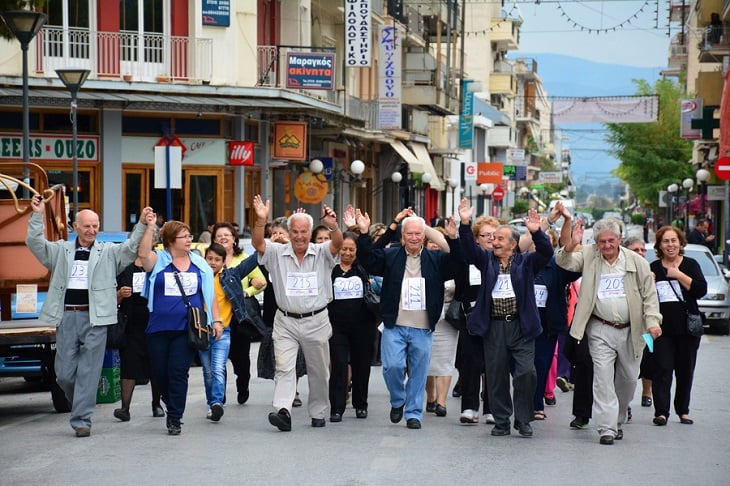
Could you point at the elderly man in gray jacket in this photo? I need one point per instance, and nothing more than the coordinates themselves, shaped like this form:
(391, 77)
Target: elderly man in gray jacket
(81, 302)
(617, 304)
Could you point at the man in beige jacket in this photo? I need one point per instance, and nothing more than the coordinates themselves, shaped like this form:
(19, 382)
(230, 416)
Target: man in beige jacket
(617, 304)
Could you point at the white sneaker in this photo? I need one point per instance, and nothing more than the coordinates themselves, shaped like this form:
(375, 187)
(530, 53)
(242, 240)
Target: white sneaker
(469, 416)
(489, 418)
(209, 415)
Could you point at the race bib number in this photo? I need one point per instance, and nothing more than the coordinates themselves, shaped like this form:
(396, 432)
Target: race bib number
(79, 278)
(503, 287)
(348, 288)
(541, 295)
(138, 282)
(475, 276)
(301, 284)
(611, 285)
(189, 281)
(665, 293)
(413, 294)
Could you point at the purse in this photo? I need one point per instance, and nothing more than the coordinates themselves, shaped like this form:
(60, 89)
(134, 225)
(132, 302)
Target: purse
(456, 315)
(695, 323)
(371, 299)
(198, 329)
(116, 334)
(253, 327)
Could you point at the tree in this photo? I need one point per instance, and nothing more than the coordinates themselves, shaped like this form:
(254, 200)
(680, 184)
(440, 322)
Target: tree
(652, 155)
(16, 5)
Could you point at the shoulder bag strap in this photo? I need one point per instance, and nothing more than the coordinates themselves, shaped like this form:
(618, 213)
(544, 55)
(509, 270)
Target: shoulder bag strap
(675, 292)
(182, 290)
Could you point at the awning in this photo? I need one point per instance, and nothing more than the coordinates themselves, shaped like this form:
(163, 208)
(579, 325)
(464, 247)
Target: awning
(425, 159)
(414, 165)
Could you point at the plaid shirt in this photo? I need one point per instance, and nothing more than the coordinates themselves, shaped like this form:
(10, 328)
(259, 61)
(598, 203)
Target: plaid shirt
(504, 306)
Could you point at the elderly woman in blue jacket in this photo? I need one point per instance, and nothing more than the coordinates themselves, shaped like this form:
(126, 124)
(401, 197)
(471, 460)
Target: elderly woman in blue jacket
(506, 315)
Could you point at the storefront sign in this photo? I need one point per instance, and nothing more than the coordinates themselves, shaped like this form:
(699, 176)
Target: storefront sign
(358, 33)
(689, 109)
(489, 172)
(57, 147)
(466, 117)
(290, 140)
(217, 12)
(310, 188)
(389, 79)
(551, 177)
(310, 71)
(240, 153)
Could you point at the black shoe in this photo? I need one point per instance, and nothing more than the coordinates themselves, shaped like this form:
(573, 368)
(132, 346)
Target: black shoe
(619, 434)
(551, 401)
(157, 411)
(430, 407)
(297, 402)
(646, 401)
(525, 430)
(440, 411)
(281, 420)
(122, 414)
(500, 431)
(413, 423)
(242, 397)
(579, 423)
(336, 417)
(606, 440)
(216, 412)
(660, 420)
(174, 426)
(456, 392)
(396, 414)
(361, 413)
(319, 422)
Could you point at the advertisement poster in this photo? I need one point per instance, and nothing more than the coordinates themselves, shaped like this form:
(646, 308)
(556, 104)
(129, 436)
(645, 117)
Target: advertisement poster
(216, 13)
(310, 71)
(290, 140)
(389, 79)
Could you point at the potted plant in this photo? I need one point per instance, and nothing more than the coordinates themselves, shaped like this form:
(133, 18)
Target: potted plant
(127, 77)
(163, 78)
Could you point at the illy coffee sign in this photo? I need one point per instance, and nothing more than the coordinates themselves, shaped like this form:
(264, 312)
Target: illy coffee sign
(240, 153)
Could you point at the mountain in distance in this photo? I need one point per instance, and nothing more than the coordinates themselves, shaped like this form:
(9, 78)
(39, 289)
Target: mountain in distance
(564, 76)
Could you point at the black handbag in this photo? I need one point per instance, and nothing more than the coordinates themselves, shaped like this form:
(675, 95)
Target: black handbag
(456, 314)
(198, 329)
(116, 334)
(695, 322)
(371, 299)
(253, 327)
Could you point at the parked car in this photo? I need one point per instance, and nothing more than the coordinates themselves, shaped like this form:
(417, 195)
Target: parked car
(519, 223)
(586, 218)
(716, 303)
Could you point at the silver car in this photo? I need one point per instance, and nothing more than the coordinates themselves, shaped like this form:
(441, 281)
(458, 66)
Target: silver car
(716, 304)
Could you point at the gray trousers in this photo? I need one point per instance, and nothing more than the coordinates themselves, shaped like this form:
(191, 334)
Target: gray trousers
(615, 369)
(503, 342)
(79, 358)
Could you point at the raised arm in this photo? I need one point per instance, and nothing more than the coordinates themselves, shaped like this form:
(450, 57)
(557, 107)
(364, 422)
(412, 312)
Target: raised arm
(329, 219)
(261, 210)
(145, 252)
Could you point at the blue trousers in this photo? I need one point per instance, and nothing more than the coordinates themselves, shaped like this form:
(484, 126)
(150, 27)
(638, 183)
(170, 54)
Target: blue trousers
(170, 357)
(214, 367)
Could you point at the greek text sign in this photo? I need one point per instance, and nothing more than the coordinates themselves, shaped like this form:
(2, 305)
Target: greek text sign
(358, 33)
(216, 12)
(389, 79)
(310, 71)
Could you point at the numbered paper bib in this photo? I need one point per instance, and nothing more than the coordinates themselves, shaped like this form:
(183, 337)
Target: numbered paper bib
(611, 285)
(413, 294)
(189, 281)
(665, 293)
(301, 284)
(138, 282)
(475, 276)
(79, 275)
(541, 295)
(347, 288)
(503, 288)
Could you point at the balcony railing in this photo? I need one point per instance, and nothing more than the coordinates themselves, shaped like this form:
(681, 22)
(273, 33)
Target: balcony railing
(127, 55)
(715, 43)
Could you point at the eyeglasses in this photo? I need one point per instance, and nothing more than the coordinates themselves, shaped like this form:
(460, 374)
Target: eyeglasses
(640, 250)
(487, 235)
(224, 236)
(185, 237)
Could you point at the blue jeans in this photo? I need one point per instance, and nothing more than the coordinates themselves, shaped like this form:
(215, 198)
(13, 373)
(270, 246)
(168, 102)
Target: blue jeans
(170, 359)
(406, 347)
(214, 367)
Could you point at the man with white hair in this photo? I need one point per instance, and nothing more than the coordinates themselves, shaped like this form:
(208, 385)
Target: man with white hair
(411, 303)
(617, 304)
(300, 273)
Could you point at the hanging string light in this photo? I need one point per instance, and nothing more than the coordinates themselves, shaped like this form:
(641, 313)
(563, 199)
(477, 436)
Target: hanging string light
(601, 30)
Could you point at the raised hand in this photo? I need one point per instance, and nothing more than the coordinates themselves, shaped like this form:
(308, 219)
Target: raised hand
(260, 208)
(363, 221)
(578, 232)
(465, 211)
(329, 217)
(450, 226)
(532, 221)
(348, 218)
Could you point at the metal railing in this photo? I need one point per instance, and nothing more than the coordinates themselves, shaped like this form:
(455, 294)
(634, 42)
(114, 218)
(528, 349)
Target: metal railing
(716, 36)
(121, 54)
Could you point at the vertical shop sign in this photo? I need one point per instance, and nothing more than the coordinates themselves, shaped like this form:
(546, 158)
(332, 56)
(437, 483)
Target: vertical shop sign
(358, 33)
(466, 117)
(389, 79)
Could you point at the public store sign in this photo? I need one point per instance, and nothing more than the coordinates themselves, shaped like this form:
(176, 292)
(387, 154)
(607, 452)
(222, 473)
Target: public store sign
(489, 172)
(358, 45)
(310, 71)
(57, 147)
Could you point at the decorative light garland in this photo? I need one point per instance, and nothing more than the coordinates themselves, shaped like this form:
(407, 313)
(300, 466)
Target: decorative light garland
(604, 30)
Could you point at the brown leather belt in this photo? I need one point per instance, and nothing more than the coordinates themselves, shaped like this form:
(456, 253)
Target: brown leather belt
(617, 325)
(76, 307)
(301, 316)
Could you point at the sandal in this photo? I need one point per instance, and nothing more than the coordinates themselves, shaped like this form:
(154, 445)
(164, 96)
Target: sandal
(540, 415)
(684, 419)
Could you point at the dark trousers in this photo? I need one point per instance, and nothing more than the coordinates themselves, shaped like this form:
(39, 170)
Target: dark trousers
(239, 354)
(502, 344)
(353, 344)
(582, 378)
(170, 357)
(673, 355)
(470, 363)
(544, 352)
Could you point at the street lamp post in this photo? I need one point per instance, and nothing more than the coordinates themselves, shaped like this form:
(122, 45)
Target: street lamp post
(357, 167)
(25, 25)
(702, 175)
(672, 189)
(73, 79)
(687, 184)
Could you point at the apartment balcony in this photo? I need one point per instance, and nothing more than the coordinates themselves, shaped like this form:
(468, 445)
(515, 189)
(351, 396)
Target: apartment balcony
(502, 83)
(125, 55)
(678, 51)
(504, 67)
(715, 43)
(430, 97)
(679, 10)
(505, 33)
